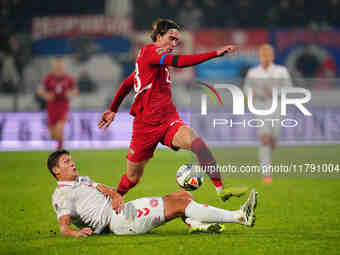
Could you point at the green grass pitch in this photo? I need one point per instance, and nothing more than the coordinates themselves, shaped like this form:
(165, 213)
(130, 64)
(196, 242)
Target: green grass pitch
(294, 215)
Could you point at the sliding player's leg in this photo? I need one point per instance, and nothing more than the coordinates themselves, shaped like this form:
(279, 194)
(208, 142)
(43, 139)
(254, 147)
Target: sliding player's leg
(195, 226)
(187, 138)
(178, 207)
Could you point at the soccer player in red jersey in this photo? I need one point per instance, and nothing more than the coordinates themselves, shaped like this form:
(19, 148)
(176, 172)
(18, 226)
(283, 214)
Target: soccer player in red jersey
(156, 117)
(57, 90)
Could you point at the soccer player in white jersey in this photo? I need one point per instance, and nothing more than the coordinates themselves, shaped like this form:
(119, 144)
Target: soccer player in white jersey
(95, 208)
(262, 79)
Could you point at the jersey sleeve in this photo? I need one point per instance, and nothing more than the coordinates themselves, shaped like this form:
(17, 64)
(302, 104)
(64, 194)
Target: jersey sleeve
(287, 80)
(45, 83)
(62, 203)
(124, 89)
(159, 56)
(71, 82)
(247, 81)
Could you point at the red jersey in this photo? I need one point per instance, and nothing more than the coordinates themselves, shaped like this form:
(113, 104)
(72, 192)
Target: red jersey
(58, 85)
(152, 85)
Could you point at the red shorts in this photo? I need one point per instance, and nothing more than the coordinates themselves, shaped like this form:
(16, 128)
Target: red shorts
(55, 114)
(145, 138)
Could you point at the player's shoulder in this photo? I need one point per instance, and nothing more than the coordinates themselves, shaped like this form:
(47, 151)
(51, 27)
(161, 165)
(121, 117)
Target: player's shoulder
(68, 77)
(48, 77)
(152, 48)
(61, 192)
(254, 70)
(280, 67)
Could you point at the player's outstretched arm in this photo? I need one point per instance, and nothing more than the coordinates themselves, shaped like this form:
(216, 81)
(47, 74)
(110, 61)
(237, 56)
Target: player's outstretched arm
(193, 59)
(117, 199)
(47, 96)
(66, 230)
(109, 115)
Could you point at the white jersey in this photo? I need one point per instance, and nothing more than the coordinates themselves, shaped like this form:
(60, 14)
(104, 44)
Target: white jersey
(87, 206)
(259, 79)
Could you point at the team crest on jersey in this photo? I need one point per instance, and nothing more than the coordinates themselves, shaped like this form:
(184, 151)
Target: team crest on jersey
(153, 202)
(160, 50)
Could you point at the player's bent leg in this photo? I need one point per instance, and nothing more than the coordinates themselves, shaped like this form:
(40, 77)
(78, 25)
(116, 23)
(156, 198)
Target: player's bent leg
(52, 131)
(174, 207)
(177, 207)
(187, 138)
(184, 137)
(59, 132)
(265, 156)
(134, 173)
(181, 194)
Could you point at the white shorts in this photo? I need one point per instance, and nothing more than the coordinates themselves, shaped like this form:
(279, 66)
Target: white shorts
(271, 128)
(138, 216)
(272, 122)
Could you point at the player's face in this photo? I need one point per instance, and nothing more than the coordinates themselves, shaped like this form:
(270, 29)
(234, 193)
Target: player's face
(66, 169)
(266, 56)
(169, 40)
(59, 67)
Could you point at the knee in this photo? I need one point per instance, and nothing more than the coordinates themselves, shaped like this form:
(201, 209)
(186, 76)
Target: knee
(186, 194)
(266, 140)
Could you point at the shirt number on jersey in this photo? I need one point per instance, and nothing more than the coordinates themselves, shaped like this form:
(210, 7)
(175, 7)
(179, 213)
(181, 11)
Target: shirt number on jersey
(167, 75)
(138, 83)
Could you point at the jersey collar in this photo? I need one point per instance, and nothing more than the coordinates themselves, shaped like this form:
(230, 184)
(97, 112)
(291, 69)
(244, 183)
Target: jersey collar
(67, 183)
(269, 67)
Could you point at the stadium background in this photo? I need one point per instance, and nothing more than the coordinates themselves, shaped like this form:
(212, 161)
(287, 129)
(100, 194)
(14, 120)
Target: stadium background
(98, 41)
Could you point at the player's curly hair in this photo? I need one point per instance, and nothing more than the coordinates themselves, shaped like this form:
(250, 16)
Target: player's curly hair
(161, 26)
(52, 160)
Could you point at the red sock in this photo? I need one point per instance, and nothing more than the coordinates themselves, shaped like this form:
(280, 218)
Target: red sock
(60, 144)
(125, 185)
(206, 159)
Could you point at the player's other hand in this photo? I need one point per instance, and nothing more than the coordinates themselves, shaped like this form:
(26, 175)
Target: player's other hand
(228, 49)
(106, 119)
(84, 232)
(117, 203)
(49, 97)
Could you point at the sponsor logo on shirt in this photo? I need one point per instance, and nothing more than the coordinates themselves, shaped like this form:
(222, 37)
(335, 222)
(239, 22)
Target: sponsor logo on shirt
(160, 50)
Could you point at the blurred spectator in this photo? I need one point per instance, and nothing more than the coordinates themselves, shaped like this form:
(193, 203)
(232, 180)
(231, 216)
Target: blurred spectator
(217, 13)
(300, 14)
(244, 13)
(145, 13)
(333, 13)
(171, 9)
(85, 83)
(190, 16)
(280, 15)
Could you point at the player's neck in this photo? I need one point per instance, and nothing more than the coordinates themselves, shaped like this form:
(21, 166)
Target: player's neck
(265, 66)
(66, 179)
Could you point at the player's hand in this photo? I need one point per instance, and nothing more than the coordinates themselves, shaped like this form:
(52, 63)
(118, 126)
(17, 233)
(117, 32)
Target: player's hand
(84, 232)
(106, 119)
(228, 49)
(49, 97)
(69, 94)
(117, 203)
(268, 92)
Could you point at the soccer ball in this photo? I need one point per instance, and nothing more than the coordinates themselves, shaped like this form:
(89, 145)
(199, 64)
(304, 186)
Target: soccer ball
(188, 177)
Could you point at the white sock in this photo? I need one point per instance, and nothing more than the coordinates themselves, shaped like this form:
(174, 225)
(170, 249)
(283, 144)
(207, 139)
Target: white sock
(265, 155)
(219, 189)
(205, 213)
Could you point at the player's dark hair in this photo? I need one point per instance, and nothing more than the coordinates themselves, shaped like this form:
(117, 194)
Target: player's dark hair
(161, 26)
(52, 160)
